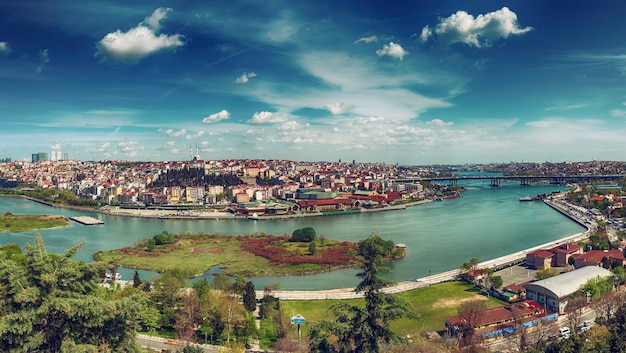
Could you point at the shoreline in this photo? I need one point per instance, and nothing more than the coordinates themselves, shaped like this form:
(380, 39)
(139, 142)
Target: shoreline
(348, 293)
(499, 262)
(220, 215)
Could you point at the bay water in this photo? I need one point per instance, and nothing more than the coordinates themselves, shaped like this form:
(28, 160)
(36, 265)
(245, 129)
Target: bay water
(485, 223)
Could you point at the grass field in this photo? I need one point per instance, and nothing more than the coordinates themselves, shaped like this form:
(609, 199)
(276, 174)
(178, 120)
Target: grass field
(195, 254)
(433, 304)
(22, 223)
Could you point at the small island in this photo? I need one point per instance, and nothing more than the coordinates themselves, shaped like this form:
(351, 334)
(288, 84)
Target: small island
(21, 223)
(257, 255)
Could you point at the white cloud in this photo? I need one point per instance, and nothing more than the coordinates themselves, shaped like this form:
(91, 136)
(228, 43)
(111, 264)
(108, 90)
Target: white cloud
(481, 30)
(289, 126)
(103, 147)
(197, 135)
(337, 108)
(264, 117)
(44, 58)
(392, 50)
(439, 123)
(618, 113)
(213, 118)
(426, 34)
(139, 42)
(370, 39)
(4, 48)
(245, 77)
(172, 133)
(154, 21)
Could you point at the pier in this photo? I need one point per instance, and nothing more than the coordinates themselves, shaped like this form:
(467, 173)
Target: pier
(86, 220)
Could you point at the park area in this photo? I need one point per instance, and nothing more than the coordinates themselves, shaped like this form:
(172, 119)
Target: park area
(432, 304)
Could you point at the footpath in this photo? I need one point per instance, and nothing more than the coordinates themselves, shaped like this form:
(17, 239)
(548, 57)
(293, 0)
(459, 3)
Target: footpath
(500, 262)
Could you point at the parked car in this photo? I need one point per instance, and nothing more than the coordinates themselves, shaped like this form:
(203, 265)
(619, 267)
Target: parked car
(564, 332)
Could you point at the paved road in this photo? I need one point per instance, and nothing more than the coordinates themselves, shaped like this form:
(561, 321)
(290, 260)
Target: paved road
(157, 344)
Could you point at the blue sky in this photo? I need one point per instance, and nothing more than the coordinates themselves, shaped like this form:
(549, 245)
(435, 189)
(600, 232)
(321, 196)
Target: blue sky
(410, 82)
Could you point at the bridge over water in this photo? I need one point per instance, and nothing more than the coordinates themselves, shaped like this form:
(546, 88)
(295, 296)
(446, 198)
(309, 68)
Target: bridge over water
(525, 180)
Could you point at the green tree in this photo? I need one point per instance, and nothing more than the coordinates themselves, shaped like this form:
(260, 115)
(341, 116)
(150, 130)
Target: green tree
(249, 297)
(136, 280)
(312, 248)
(51, 304)
(363, 329)
(304, 235)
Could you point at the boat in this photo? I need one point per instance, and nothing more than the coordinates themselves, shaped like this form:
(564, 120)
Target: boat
(525, 198)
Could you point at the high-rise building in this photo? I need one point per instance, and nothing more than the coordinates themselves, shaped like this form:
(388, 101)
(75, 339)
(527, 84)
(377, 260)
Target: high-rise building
(38, 157)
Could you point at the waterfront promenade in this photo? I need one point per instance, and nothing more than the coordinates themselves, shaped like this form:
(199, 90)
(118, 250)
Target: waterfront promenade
(497, 263)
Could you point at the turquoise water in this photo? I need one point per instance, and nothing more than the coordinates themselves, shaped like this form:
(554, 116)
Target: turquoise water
(485, 223)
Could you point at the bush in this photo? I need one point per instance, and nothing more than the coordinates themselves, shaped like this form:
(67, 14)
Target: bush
(164, 238)
(305, 235)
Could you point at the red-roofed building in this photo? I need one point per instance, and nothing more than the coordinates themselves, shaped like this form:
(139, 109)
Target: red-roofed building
(595, 258)
(540, 259)
(496, 318)
(564, 251)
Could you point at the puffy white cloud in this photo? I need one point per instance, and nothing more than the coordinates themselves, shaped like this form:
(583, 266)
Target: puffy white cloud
(213, 118)
(154, 21)
(4, 48)
(138, 42)
(370, 39)
(245, 77)
(289, 126)
(264, 117)
(481, 30)
(392, 50)
(44, 58)
(439, 123)
(173, 133)
(337, 108)
(197, 135)
(426, 34)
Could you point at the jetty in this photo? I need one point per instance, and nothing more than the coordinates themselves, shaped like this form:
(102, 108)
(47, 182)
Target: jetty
(86, 220)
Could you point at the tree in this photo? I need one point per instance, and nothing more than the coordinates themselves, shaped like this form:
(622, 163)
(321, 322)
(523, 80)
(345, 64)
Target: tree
(52, 304)
(362, 329)
(304, 235)
(312, 248)
(136, 280)
(496, 281)
(249, 297)
(472, 312)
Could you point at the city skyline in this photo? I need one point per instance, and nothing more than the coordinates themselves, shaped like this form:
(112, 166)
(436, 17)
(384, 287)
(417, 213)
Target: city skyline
(409, 82)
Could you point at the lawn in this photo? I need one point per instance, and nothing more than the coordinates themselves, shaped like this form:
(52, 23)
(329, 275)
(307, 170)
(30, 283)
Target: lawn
(433, 304)
(22, 223)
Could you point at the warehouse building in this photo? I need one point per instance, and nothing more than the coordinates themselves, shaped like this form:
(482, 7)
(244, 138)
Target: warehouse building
(554, 292)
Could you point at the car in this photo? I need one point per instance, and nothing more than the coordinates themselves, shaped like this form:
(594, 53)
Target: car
(564, 332)
(170, 341)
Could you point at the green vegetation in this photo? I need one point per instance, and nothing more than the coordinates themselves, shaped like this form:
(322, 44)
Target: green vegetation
(54, 196)
(303, 235)
(248, 256)
(21, 223)
(433, 304)
(363, 328)
(53, 304)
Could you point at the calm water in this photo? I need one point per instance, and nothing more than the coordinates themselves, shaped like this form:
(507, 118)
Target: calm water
(485, 223)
